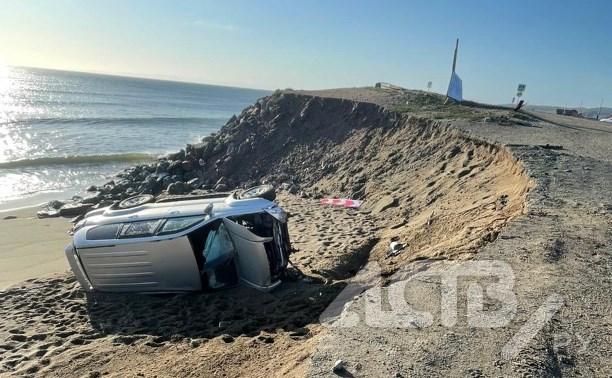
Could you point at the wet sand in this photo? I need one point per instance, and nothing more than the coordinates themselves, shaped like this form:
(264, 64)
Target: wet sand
(30, 247)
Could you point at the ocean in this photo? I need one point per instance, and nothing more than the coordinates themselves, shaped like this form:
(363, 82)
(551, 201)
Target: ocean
(62, 131)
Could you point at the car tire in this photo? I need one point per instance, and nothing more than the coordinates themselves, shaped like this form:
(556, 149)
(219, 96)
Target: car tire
(262, 191)
(134, 201)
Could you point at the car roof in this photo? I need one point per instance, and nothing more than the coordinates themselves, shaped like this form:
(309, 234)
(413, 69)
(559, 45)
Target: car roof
(222, 207)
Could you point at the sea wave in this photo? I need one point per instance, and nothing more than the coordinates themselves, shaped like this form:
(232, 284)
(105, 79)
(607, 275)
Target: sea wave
(79, 159)
(118, 121)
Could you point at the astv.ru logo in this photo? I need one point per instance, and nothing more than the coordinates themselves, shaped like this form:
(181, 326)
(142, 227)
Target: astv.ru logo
(386, 307)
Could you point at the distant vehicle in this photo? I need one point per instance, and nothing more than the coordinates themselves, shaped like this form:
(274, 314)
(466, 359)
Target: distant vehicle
(609, 120)
(189, 245)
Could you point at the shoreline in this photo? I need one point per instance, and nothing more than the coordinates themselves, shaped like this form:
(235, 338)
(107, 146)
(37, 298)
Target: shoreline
(37, 200)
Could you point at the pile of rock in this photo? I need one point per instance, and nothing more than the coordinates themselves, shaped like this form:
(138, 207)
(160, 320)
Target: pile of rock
(279, 140)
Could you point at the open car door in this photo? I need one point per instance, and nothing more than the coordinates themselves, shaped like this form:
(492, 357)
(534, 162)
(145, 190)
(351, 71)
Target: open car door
(251, 258)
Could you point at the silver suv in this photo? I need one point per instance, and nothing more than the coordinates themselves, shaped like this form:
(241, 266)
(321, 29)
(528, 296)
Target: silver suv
(188, 245)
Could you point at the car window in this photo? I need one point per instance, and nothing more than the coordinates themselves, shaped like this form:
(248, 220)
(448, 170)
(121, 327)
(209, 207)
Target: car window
(218, 252)
(139, 229)
(179, 224)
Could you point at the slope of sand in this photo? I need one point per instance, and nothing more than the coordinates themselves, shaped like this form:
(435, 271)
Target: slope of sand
(31, 247)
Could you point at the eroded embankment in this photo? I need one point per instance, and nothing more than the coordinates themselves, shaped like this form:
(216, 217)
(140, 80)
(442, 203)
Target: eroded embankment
(440, 191)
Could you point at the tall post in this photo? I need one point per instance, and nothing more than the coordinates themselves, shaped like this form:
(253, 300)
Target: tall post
(455, 56)
(454, 66)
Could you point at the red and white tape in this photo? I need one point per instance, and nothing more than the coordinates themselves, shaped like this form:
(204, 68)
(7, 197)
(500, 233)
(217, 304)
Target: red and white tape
(342, 202)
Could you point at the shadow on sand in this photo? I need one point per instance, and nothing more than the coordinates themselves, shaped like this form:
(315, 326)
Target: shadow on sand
(234, 312)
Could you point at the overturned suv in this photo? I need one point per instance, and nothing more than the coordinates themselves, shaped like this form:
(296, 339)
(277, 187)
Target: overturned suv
(208, 243)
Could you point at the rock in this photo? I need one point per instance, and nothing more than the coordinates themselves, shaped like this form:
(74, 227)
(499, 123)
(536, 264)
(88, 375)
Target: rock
(174, 165)
(91, 188)
(177, 156)
(194, 343)
(384, 203)
(162, 166)
(227, 338)
(294, 189)
(218, 148)
(338, 367)
(194, 183)
(243, 148)
(210, 138)
(93, 199)
(282, 177)
(54, 205)
(266, 339)
(47, 214)
(71, 210)
(186, 165)
(172, 189)
(208, 149)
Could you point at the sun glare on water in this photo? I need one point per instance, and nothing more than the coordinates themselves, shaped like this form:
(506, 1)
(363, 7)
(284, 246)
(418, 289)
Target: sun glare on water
(5, 81)
(7, 139)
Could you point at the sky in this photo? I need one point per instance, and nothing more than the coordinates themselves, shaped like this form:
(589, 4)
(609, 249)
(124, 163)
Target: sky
(561, 50)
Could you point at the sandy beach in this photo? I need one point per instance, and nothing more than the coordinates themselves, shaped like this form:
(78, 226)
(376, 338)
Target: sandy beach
(31, 247)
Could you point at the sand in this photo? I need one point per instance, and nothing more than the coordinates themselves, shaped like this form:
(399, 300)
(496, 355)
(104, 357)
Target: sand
(31, 247)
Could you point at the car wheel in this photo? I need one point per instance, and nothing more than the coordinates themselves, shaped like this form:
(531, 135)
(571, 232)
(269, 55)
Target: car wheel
(138, 200)
(262, 191)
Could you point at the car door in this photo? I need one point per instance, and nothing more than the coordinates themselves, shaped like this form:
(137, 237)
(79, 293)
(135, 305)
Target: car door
(150, 266)
(251, 258)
